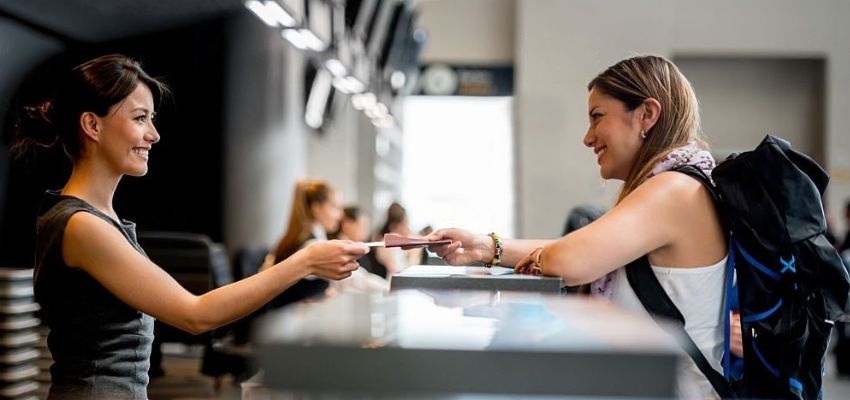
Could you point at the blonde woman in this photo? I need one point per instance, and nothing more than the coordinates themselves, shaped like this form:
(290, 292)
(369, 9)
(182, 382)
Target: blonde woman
(643, 122)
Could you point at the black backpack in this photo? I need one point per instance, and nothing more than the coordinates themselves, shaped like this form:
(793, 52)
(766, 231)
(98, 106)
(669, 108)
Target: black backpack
(789, 282)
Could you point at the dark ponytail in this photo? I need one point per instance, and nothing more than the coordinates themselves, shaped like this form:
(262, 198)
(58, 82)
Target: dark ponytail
(94, 86)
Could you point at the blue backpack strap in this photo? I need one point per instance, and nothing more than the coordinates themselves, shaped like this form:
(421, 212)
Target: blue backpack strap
(733, 366)
(655, 299)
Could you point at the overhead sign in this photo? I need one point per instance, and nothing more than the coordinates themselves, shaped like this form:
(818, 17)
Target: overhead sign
(450, 80)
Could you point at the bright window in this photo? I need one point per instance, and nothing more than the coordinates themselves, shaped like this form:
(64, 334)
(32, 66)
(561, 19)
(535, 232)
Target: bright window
(458, 163)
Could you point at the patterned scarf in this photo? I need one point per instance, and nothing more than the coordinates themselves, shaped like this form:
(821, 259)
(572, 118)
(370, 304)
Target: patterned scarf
(689, 154)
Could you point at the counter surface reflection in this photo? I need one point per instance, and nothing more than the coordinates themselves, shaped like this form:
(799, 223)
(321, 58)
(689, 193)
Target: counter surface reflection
(418, 342)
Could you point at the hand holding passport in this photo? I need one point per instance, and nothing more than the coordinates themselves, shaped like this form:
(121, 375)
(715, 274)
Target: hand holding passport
(406, 243)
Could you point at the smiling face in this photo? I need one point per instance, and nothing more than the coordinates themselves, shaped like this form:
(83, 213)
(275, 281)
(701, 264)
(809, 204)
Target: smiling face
(613, 134)
(127, 133)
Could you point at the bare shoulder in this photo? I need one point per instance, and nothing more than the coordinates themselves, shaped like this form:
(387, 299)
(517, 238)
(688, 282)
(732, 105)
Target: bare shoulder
(673, 191)
(676, 200)
(85, 224)
(87, 235)
(686, 207)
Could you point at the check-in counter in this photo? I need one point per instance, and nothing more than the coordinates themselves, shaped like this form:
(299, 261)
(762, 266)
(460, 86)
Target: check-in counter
(435, 344)
(442, 277)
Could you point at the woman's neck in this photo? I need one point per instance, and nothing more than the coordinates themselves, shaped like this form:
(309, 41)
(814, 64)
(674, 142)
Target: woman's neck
(319, 231)
(94, 185)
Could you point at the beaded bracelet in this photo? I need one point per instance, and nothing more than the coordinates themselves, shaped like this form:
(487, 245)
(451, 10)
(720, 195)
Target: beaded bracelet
(497, 255)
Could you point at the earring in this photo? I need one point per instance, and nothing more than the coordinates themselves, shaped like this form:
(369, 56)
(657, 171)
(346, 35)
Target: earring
(643, 134)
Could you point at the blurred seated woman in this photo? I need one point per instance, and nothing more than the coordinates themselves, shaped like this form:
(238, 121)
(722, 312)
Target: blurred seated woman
(315, 213)
(354, 225)
(394, 259)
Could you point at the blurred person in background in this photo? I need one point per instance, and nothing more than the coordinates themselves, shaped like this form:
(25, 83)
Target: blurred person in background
(97, 289)
(842, 345)
(315, 211)
(355, 225)
(315, 214)
(830, 225)
(845, 244)
(392, 260)
(580, 216)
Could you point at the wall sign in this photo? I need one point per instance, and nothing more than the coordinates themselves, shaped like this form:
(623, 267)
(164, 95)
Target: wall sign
(453, 80)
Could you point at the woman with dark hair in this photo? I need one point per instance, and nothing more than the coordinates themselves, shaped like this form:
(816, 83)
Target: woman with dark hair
(644, 123)
(354, 225)
(96, 287)
(394, 259)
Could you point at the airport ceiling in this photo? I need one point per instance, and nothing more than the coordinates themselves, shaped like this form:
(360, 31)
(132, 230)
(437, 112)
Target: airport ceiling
(103, 20)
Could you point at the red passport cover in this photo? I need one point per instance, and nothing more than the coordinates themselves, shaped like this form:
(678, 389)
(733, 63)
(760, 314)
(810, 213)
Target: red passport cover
(396, 240)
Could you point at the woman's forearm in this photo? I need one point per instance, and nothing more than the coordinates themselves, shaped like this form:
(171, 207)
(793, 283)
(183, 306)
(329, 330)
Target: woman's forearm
(231, 302)
(516, 249)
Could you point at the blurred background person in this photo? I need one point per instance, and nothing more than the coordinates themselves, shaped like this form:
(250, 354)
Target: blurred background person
(354, 225)
(580, 216)
(315, 212)
(845, 244)
(394, 259)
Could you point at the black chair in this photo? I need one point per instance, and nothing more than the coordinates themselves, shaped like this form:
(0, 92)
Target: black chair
(199, 265)
(248, 263)
(579, 217)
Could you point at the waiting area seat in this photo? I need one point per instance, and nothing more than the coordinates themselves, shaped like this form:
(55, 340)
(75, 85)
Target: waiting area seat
(199, 265)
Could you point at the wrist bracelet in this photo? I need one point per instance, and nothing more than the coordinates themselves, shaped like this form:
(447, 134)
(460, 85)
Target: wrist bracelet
(497, 254)
(537, 262)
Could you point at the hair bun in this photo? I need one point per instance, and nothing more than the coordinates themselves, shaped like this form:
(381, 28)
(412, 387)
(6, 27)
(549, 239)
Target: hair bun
(34, 128)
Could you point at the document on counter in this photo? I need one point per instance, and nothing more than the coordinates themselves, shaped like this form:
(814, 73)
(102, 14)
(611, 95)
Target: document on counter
(448, 270)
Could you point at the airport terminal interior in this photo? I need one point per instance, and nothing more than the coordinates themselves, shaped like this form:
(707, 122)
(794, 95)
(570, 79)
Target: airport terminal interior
(432, 134)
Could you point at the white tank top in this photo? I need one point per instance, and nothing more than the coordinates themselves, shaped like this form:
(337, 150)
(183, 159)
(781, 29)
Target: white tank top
(698, 293)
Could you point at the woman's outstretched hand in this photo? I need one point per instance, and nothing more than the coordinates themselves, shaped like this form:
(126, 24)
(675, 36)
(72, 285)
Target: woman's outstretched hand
(467, 248)
(332, 259)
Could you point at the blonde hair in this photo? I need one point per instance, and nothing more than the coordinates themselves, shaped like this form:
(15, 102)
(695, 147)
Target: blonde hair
(636, 79)
(301, 219)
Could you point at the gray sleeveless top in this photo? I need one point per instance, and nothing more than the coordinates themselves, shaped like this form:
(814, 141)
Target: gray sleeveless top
(101, 346)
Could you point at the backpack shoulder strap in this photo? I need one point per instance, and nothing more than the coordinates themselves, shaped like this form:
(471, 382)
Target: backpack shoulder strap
(653, 297)
(697, 174)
